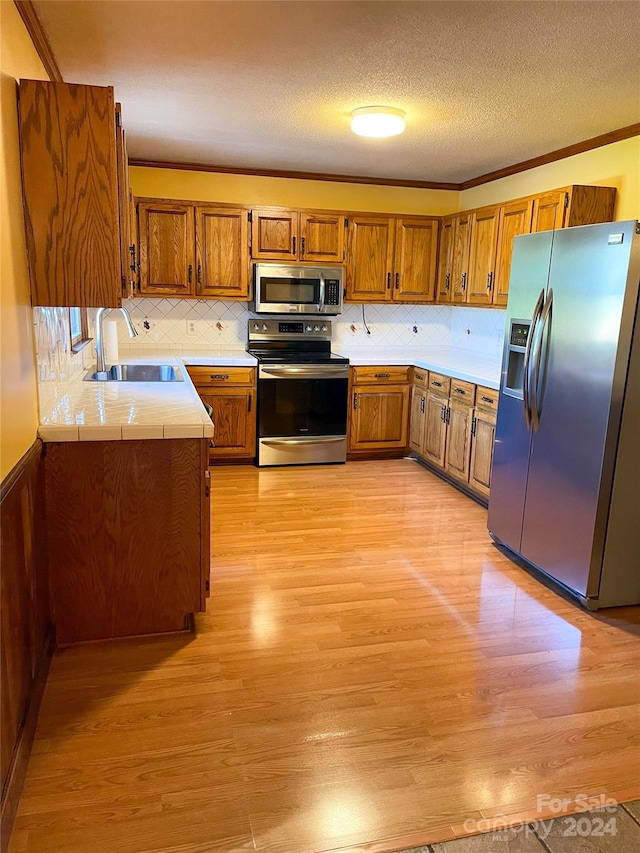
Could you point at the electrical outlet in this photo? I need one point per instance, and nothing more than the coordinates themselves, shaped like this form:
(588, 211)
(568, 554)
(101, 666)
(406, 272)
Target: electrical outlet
(191, 329)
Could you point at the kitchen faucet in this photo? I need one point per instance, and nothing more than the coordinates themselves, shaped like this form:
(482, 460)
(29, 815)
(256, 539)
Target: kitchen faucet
(100, 360)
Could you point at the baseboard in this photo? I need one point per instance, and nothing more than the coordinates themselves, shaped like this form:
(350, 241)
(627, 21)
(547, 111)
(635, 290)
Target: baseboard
(22, 751)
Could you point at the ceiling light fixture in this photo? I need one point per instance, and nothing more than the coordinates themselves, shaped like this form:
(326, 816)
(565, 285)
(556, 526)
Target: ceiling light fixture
(377, 121)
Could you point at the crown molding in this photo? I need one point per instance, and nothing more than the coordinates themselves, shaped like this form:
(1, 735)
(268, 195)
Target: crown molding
(552, 156)
(39, 38)
(302, 176)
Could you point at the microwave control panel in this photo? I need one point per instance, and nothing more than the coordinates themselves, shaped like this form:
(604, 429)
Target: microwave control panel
(331, 291)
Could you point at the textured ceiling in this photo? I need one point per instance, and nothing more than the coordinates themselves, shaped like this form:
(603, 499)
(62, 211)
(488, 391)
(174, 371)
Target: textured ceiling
(270, 85)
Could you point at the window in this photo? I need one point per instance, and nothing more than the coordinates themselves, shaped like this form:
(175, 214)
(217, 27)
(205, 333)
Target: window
(79, 328)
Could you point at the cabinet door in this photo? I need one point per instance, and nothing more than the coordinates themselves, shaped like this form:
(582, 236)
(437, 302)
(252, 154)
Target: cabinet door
(515, 219)
(483, 429)
(445, 259)
(379, 417)
(322, 237)
(416, 245)
(166, 249)
(458, 441)
(482, 260)
(370, 259)
(70, 190)
(234, 421)
(418, 412)
(548, 211)
(435, 429)
(274, 234)
(460, 261)
(127, 269)
(222, 252)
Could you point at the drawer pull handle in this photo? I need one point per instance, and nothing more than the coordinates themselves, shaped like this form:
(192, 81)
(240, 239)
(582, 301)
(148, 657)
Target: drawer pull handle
(294, 246)
(355, 401)
(437, 384)
(464, 281)
(487, 400)
(443, 414)
(388, 281)
(447, 281)
(459, 390)
(190, 273)
(397, 280)
(383, 376)
(219, 376)
(422, 405)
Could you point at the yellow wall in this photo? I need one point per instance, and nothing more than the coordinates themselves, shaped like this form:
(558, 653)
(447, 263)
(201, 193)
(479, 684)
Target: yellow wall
(289, 192)
(18, 392)
(616, 165)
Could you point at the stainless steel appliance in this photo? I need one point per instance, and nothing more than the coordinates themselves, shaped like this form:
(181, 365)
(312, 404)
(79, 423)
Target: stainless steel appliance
(295, 289)
(302, 393)
(566, 469)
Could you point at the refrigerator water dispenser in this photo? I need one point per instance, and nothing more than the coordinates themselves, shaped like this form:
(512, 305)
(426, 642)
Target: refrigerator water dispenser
(518, 337)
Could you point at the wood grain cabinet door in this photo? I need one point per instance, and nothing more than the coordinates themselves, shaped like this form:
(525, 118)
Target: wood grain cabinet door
(379, 417)
(549, 211)
(435, 429)
(483, 435)
(460, 259)
(70, 188)
(445, 259)
(127, 266)
(166, 249)
(322, 237)
(417, 419)
(416, 247)
(234, 420)
(515, 219)
(274, 234)
(482, 259)
(370, 259)
(222, 252)
(458, 451)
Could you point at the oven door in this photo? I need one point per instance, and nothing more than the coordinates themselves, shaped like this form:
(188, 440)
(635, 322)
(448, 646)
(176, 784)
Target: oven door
(302, 414)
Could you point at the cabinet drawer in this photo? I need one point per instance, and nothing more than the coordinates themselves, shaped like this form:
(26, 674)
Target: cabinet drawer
(420, 377)
(218, 377)
(439, 383)
(380, 375)
(487, 398)
(464, 392)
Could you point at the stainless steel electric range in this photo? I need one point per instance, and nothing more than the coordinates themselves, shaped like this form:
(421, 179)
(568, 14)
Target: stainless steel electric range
(302, 393)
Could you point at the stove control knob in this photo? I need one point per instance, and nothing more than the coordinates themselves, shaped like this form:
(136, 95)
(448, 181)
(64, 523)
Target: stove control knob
(256, 327)
(324, 328)
(316, 328)
(308, 329)
(264, 327)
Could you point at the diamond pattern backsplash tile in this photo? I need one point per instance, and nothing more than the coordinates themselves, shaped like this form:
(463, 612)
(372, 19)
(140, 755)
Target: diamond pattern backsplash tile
(478, 329)
(216, 324)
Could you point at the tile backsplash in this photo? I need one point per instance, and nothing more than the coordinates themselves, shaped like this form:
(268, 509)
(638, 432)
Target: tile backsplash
(55, 359)
(176, 323)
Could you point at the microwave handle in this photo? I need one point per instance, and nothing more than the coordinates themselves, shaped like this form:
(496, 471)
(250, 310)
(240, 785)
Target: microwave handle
(321, 294)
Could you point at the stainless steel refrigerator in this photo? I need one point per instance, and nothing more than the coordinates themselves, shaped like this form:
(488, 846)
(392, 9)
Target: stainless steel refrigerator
(565, 484)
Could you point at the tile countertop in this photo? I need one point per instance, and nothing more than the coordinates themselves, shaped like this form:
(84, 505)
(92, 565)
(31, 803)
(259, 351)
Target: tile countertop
(108, 411)
(479, 368)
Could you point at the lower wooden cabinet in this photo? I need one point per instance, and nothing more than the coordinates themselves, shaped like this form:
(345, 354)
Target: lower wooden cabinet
(231, 393)
(453, 428)
(483, 430)
(418, 409)
(379, 411)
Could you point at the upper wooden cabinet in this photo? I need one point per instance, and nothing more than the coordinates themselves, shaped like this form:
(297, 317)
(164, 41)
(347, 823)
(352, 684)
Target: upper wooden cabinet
(391, 259)
(476, 246)
(193, 250)
(291, 235)
(76, 203)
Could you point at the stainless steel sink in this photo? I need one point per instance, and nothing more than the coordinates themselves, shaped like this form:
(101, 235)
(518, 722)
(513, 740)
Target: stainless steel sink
(136, 373)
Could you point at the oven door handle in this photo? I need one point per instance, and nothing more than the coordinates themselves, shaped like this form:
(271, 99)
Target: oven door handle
(274, 442)
(337, 372)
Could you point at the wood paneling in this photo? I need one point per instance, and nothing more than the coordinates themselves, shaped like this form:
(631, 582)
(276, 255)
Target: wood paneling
(70, 184)
(370, 689)
(128, 278)
(460, 257)
(445, 259)
(25, 623)
(590, 205)
(379, 418)
(417, 417)
(515, 219)
(484, 431)
(322, 237)
(482, 260)
(222, 252)
(370, 259)
(377, 374)
(274, 234)
(435, 429)
(125, 535)
(549, 211)
(458, 449)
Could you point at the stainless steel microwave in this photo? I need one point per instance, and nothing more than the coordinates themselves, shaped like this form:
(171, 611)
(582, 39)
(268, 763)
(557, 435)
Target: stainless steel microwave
(293, 289)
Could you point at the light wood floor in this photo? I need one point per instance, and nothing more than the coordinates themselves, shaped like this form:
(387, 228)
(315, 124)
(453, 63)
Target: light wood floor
(371, 673)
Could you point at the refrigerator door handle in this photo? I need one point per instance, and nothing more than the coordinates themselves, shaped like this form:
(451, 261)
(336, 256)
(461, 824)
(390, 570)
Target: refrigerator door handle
(537, 359)
(526, 380)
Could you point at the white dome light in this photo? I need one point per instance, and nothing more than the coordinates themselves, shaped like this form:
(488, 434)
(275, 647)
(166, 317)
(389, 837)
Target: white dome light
(377, 121)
